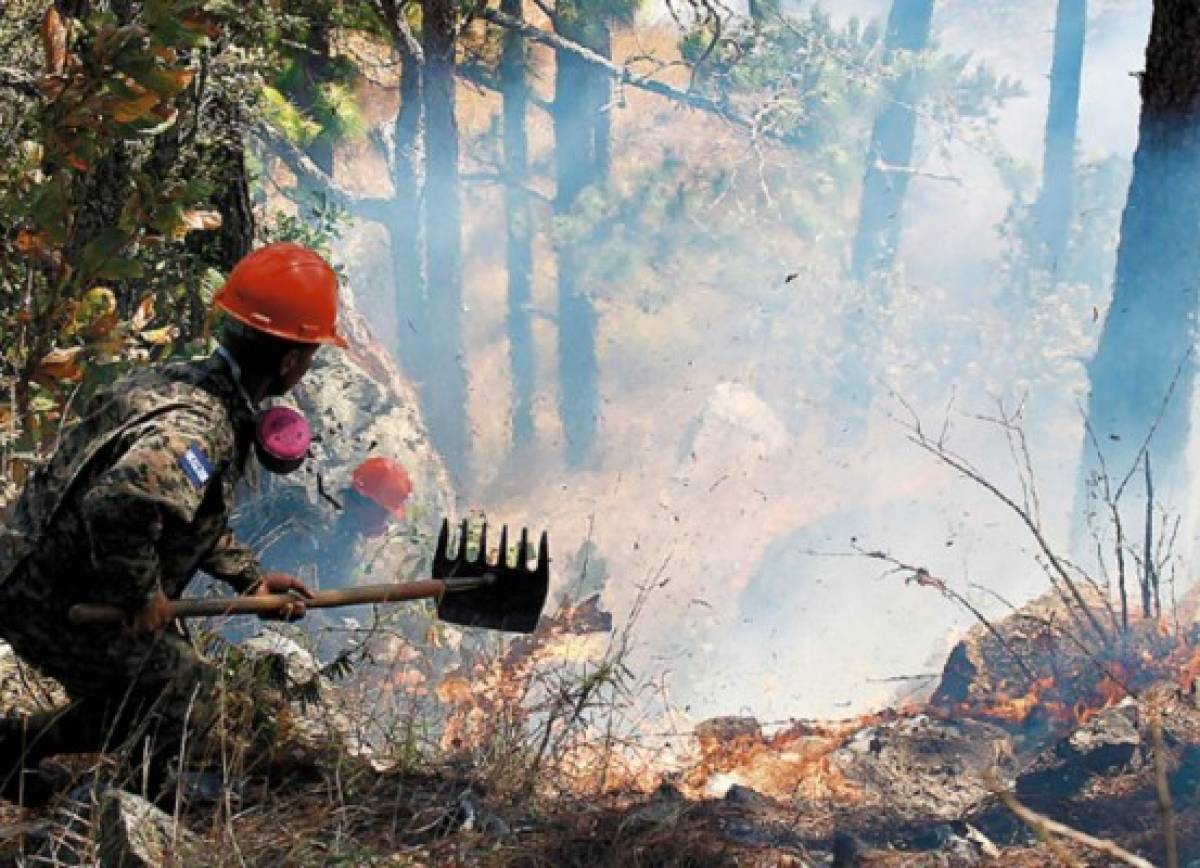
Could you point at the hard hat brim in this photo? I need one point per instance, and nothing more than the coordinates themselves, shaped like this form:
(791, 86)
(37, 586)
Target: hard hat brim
(336, 339)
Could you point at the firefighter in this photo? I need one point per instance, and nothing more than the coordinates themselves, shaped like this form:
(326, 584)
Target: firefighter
(133, 503)
(379, 489)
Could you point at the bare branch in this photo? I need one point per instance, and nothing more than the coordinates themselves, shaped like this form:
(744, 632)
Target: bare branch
(1044, 827)
(1162, 412)
(922, 577)
(547, 10)
(964, 467)
(621, 74)
(373, 208)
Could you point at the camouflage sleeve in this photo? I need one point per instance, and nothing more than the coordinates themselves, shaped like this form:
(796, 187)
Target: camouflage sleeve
(233, 562)
(165, 471)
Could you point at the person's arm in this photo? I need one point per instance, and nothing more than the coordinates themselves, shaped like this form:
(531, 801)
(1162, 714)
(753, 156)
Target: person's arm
(159, 482)
(233, 562)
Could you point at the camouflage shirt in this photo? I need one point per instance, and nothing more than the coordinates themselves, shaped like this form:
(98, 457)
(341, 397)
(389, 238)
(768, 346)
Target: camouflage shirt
(138, 495)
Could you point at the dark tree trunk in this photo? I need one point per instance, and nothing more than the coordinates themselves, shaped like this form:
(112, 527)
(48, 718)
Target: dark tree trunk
(891, 153)
(1054, 209)
(444, 390)
(581, 151)
(1148, 337)
(880, 219)
(236, 237)
(519, 247)
(404, 228)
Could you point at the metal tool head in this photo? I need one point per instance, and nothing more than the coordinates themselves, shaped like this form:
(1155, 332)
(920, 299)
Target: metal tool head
(508, 598)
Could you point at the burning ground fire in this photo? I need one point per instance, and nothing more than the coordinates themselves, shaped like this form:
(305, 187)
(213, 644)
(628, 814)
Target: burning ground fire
(562, 696)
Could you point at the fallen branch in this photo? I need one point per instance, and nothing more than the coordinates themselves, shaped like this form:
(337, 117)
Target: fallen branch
(1044, 827)
(1166, 812)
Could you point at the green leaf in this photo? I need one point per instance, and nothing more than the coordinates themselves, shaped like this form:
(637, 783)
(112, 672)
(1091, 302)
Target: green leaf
(100, 251)
(121, 268)
(51, 208)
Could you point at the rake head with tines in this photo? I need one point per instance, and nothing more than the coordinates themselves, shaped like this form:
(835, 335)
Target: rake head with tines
(493, 596)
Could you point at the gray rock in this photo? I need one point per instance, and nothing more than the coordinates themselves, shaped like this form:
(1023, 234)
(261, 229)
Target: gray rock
(134, 834)
(1106, 744)
(300, 669)
(1108, 740)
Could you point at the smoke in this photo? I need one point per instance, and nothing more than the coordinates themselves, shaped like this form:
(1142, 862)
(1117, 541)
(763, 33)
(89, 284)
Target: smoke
(724, 471)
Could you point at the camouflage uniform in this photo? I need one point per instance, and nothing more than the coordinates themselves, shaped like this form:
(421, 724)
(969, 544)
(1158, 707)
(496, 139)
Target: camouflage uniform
(135, 500)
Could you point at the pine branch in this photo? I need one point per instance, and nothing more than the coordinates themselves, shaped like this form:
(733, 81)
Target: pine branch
(374, 208)
(621, 74)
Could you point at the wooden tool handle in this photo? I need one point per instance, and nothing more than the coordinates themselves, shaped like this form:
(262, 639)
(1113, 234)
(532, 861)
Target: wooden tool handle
(255, 605)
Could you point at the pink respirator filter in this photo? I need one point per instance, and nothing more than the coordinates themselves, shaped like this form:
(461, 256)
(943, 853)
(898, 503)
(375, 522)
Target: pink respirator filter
(284, 434)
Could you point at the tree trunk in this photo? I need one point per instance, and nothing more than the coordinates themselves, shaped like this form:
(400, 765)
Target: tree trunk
(1146, 347)
(444, 390)
(404, 226)
(581, 154)
(519, 247)
(879, 222)
(891, 152)
(1054, 208)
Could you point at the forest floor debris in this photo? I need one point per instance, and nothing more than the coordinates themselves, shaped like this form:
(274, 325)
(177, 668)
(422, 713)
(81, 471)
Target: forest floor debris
(942, 781)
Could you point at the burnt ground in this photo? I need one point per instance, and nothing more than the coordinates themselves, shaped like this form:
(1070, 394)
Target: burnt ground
(906, 798)
(925, 785)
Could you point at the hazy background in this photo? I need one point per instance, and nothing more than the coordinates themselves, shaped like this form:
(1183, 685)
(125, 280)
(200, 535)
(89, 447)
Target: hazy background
(726, 474)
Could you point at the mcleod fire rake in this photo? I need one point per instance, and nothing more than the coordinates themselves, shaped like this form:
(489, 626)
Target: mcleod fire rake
(470, 592)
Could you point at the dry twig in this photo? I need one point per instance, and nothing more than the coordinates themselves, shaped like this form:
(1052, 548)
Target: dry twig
(938, 449)
(1162, 789)
(1045, 828)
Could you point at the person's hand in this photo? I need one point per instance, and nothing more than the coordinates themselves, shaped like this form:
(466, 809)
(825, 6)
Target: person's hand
(283, 583)
(152, 617)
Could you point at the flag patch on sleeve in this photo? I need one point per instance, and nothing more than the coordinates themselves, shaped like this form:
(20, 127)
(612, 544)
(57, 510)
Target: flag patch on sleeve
(196, 466)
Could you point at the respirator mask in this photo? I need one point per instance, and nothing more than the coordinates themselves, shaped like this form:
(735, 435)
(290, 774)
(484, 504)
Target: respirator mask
(282, 436)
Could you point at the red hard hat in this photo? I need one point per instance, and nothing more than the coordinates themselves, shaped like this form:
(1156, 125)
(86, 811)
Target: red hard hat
(384, 481)
(286, 290)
